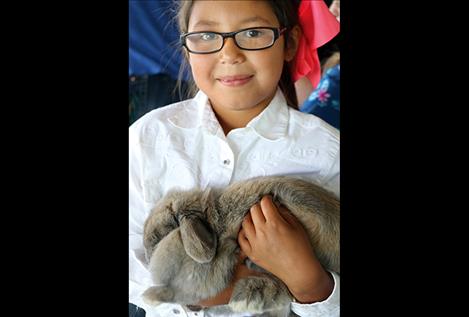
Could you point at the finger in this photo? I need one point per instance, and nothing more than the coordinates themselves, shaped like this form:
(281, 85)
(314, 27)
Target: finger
(248, 226)
(269, 209)
(257, 216)
(287, 216)
(242, 255)
(244, 243)
(291, 219)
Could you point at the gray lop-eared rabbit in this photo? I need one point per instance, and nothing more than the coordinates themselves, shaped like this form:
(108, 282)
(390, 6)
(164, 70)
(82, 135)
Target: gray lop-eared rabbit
(190, 241)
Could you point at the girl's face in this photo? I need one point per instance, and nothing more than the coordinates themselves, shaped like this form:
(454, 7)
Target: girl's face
(236, 79)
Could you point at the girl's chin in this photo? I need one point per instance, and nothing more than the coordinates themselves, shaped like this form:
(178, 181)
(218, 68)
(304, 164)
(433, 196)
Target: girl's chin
(238, 104)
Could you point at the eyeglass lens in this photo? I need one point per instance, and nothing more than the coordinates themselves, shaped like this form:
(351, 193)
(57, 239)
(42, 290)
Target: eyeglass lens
(247, 39)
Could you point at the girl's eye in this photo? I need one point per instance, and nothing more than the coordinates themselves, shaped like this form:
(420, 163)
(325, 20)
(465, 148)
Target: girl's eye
(208, 36)
(253, 33)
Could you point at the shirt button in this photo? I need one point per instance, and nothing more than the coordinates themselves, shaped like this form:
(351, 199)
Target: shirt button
(226, 162)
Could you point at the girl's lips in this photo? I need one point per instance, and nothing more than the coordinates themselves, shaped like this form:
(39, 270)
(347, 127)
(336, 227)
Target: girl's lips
(233, 81)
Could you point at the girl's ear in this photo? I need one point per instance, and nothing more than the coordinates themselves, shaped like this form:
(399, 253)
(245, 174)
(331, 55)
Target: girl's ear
(293, 40)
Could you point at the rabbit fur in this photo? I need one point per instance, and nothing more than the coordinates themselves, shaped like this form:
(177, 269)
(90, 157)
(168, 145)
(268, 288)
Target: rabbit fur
(190, 241)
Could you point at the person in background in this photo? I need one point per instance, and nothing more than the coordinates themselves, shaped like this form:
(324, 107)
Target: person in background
(243, 122)
(317, 44)
(154, 57)
(324, 101)
(335, 9)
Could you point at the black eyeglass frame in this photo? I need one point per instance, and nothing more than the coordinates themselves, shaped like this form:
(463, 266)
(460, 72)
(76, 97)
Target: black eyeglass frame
(277, 33)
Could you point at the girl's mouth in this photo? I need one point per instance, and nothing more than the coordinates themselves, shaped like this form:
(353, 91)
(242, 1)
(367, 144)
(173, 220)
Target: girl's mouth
(234, 81)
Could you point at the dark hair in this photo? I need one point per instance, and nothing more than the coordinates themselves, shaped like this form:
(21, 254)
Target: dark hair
(286, 12)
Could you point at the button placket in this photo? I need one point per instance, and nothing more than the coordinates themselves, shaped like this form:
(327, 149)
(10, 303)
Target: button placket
(226, 154)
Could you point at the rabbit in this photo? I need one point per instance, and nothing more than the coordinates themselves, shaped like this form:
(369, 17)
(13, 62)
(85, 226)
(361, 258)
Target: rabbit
(190, 241)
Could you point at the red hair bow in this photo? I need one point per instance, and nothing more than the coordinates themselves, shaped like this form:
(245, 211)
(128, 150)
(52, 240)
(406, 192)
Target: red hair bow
(319, 26)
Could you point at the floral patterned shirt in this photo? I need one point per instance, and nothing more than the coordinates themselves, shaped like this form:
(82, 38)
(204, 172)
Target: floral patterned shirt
(324, 101)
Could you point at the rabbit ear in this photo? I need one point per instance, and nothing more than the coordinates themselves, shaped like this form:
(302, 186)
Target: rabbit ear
(199, 240)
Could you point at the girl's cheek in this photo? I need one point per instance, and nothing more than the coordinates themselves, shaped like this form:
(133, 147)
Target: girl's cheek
(200, 67)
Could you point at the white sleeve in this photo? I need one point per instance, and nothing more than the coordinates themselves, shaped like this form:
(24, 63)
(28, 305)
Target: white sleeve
(329, 176)
(332, 179)
(139, 276)
(327, 308)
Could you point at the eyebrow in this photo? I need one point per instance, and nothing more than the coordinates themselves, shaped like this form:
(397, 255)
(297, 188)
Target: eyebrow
(210, 23)
(205, 23)
(255, 19)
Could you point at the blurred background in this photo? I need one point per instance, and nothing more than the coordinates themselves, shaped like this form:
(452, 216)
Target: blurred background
(154, 56)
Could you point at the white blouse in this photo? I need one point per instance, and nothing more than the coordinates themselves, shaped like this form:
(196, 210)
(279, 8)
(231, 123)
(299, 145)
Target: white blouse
(183, 146)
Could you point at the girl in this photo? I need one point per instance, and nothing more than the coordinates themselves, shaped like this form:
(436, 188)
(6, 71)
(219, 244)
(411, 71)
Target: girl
(241, 123)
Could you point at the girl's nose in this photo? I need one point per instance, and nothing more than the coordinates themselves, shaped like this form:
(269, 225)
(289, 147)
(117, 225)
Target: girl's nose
(231, 53)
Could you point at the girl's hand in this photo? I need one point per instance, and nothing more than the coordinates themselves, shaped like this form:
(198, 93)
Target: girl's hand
(275, 240)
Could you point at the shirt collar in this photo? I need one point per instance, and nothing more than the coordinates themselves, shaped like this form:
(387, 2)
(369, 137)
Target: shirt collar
(271, 123)
(196, 113)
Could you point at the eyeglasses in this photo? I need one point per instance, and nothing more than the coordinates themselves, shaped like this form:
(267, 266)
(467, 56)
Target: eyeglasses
(251, 39)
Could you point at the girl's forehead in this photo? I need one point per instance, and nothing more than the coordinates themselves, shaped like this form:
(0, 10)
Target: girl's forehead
(231, 14)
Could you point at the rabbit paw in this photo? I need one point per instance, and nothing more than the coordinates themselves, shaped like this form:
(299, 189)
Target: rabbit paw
(156, 295)
(259, 294)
